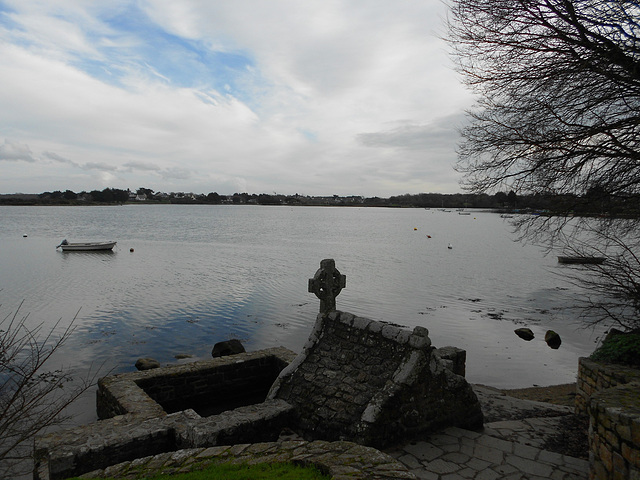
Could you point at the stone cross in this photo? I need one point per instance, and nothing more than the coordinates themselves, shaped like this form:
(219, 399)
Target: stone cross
(327, 284)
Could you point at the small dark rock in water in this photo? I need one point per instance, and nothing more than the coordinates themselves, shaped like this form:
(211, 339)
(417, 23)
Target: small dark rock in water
(147, 364)
(228, 347)
(552, 339)
(524, 333)
(181, 356)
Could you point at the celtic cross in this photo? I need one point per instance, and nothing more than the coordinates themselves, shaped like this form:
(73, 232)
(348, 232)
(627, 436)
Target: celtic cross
(327, 284)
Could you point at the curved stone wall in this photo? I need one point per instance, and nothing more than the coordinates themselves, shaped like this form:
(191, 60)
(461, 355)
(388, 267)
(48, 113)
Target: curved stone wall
(610, 394)
(341, 460)
(614, 440)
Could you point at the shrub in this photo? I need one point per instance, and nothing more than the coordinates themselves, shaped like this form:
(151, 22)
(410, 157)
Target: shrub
(621, 348)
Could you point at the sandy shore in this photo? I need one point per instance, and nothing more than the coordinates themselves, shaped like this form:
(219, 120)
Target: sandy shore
(558, 394)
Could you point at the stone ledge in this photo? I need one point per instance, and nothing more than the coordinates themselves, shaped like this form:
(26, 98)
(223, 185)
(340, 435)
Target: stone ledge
(123, 394)
(341, 460)
(72, 452)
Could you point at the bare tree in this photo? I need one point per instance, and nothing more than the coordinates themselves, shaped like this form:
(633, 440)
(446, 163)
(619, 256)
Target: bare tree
(558, 113)
(32, 397)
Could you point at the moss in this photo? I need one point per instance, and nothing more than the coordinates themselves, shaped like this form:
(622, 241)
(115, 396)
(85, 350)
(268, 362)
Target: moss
(243, 471)
(621, 349)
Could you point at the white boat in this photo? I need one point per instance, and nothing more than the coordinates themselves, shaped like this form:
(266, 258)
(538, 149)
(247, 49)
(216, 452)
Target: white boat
(86, 246)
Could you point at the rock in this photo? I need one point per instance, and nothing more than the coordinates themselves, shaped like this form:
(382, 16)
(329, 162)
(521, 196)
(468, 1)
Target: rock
(524, 333)
(147, 364)
(552, 339)
(182, 356)
(228, 347)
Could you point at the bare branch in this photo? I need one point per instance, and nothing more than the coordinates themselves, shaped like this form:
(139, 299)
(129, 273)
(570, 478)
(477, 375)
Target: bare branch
(33, 398)
(558, 113)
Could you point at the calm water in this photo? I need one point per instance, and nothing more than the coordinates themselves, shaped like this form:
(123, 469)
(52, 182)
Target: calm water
(202, 274)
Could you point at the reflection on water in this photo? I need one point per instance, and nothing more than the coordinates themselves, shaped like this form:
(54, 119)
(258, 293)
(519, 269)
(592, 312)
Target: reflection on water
(202, 274)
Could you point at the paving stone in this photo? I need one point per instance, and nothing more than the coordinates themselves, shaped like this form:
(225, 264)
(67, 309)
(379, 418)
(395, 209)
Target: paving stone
(488, 474)
(441, 467)
(529, 466)
(469, 441)
(450, 448)
(452, 476)
(550, 457)
(558, 475)
(456, 457)
(467, 449)
(468, 473)
(478, 464)
(516, 476)
(424, 451)
(443, 439)
(494, 432)
(491, 455)
(409, 461)
(424, 474)
(505, 469)
(525, 451)
(496, 443)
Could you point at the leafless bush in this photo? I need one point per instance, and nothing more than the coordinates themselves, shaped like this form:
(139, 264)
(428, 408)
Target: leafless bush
(33, 397)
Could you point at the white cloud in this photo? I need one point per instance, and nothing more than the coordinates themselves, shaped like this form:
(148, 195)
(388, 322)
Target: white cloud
(322, 97)
(13, 151)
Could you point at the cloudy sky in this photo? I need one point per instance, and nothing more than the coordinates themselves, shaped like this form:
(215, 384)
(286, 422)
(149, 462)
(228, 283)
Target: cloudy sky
(347, 97)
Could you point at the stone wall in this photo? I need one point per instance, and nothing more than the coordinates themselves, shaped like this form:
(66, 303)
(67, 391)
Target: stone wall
(610, 394)
(340, 460)
(370, 382)
(614, 433)
(219, 384)
(375, 383)
(134, 425)
(595, 376)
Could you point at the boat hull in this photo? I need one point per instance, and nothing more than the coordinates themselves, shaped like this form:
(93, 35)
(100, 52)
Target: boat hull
(88, 247)
(581, 260)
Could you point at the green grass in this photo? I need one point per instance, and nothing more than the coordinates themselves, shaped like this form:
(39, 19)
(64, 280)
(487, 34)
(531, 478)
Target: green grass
(623, 349)
(261, 471)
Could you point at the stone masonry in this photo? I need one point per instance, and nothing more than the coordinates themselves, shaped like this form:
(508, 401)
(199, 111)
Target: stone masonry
(357, 380)
(340, 460)
(374, 383)
(219, 381)
(610, 394)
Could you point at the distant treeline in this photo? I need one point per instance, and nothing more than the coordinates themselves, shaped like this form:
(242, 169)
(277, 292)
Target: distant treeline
(595, 202)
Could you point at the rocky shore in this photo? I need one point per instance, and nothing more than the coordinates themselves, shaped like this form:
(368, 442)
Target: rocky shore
(557, 394)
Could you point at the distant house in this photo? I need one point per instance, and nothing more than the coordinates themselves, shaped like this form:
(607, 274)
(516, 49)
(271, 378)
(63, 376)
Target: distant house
(141, 197)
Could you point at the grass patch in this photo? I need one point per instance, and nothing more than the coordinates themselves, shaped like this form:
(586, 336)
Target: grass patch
(261, 471)
(622, 349)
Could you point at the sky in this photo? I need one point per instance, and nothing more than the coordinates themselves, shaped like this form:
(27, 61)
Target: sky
(315, 97)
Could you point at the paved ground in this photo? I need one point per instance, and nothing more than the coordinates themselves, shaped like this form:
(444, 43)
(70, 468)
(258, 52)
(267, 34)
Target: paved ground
(508, 448)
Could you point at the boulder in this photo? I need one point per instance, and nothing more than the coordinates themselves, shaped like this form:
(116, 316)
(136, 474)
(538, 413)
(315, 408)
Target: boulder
(524, 333)
(182, 356)
(147, 364)
(552, 339)
(228, 347)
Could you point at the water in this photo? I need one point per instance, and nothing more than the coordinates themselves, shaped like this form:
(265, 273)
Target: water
(201, 274)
